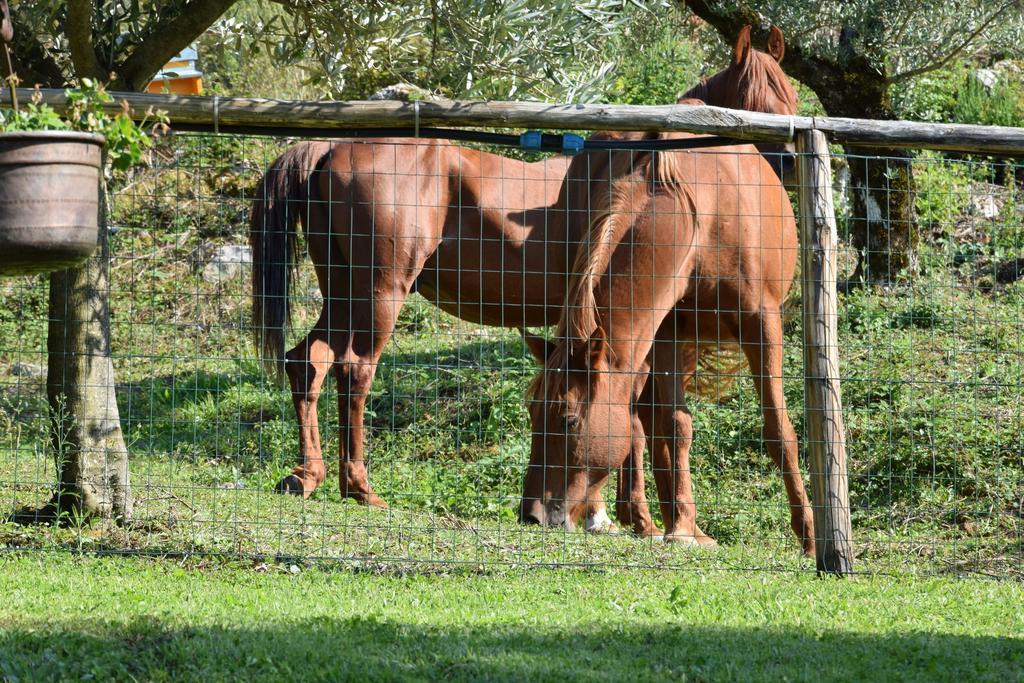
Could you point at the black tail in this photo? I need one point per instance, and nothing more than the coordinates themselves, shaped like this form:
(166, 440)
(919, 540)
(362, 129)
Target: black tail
(280, 203)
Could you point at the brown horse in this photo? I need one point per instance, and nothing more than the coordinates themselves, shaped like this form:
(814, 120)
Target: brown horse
(755, 82)
(688, 250)
(482, 236)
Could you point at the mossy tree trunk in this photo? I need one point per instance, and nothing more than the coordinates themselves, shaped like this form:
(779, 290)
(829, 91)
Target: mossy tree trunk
(92, 460)
(883, 223)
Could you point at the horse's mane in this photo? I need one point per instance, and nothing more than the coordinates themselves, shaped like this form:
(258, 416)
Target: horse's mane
(661, 171)
(700, 91)
(757, 78)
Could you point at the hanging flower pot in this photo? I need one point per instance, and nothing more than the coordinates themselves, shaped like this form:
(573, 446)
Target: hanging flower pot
(49, 199)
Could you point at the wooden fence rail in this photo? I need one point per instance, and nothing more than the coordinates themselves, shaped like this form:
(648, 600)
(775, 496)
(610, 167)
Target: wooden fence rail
(753, 126)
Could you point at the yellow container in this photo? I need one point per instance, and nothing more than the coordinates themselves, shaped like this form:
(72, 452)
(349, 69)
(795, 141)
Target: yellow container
(189, 85)
(179, 76)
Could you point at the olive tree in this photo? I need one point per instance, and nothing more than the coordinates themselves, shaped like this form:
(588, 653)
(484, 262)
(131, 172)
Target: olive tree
(854, 54)
(58, 44)
(496, 49)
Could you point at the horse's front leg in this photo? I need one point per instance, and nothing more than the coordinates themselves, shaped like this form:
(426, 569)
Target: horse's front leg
(631, 496)
(672, 436)
(598, 521)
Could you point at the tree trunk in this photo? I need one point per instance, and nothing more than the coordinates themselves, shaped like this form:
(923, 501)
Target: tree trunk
(883, 222)
(92, 461)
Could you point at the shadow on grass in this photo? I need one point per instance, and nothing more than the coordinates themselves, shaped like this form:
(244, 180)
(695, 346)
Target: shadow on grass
(213, 410)
(366, 648)
(159, 397)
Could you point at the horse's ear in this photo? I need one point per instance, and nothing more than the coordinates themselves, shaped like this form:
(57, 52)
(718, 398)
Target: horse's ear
(596, 351)
(590, 355)
(540, 348)
(742, 50)
(776, 44)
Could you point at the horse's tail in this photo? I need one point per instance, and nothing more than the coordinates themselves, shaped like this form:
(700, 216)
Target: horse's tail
(719, 364)
(280, 203)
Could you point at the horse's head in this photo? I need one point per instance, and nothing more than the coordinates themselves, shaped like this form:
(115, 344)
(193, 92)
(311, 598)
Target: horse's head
(754, 81)
(581, 427)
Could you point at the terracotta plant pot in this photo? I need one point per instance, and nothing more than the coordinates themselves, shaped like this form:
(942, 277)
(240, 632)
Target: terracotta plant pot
(49, 200)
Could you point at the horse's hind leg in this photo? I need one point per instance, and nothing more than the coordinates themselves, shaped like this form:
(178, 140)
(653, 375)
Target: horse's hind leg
(378, 293)
(761, 337)
(308, 363)
(354, 370)
(306, 366)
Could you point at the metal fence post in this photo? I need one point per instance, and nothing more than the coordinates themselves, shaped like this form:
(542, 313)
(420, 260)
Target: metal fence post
(825, 435)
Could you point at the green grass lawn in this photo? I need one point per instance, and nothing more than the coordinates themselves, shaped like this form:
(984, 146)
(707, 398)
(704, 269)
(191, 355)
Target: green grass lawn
(81, 617)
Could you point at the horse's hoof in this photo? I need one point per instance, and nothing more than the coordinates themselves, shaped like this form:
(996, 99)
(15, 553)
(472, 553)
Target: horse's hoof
(600, 523)
(687, 540)
(606, 529)
(374, 501)
(651, 532)
(681, 539)
(290, 484)
(707, 542)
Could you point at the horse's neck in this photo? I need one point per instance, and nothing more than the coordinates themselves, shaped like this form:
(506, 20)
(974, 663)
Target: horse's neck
(641, 287)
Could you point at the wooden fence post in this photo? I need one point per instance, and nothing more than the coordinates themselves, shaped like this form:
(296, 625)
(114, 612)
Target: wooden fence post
(825, 438)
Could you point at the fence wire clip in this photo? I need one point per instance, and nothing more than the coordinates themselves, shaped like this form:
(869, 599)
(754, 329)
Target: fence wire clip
(416, 113)
(216, 114)
(572, 144)
(531, 139)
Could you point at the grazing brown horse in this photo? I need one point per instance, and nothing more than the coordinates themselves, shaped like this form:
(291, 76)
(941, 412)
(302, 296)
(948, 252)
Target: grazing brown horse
(482, 236)
(687, 250)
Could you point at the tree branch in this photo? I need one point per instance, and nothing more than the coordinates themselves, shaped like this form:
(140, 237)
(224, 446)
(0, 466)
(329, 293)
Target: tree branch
(166, 37)
(942, 61)
(79, 31)
(32, 63)
(727, 22)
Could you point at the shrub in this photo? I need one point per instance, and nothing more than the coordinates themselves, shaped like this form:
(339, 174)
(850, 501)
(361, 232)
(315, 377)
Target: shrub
(999, 106)
(956, 95)
(658, 69)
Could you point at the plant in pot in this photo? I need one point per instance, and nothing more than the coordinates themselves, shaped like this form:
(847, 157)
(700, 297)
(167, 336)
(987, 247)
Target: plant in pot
(50, 172)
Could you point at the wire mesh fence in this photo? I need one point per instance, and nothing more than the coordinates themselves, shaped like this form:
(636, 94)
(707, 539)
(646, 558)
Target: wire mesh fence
(930, 354)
